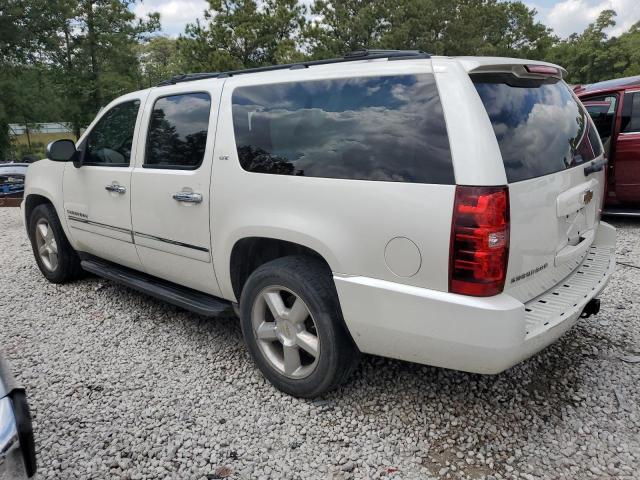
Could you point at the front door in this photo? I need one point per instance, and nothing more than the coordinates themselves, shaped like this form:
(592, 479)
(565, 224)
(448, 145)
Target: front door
(170, 204)
(627, 162)
(97, 194)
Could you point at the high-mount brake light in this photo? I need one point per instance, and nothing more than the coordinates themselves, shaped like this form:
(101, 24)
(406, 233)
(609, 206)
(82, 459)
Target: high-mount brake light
(542, 69)
(479, 249)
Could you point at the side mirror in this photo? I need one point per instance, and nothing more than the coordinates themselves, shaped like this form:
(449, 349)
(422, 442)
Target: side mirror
(61, 150)
(17, 448)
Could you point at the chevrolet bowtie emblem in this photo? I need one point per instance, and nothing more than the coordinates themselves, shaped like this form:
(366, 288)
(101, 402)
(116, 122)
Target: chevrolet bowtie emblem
(587, 196)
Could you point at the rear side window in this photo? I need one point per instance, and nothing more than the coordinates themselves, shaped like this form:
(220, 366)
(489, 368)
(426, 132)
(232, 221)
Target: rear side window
(631, 113)
(374, 128)
(540, 127)
(178, 131)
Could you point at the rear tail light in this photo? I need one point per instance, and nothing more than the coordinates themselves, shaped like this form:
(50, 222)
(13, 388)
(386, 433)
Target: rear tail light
(479, 241)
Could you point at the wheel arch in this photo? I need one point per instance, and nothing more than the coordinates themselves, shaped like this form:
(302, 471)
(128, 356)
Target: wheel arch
(33, 200)
(250, 252)
(43, 184)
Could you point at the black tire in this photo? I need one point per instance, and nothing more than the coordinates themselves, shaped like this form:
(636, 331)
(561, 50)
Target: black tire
(311, 281)
(68, 264)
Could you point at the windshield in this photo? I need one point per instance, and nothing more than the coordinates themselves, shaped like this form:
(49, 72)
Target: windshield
(540, 127)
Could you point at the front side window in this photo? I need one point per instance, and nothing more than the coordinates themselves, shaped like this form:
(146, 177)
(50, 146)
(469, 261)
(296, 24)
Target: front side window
(110, 141)
(369, 128)
(178, 131)
(631, 113)
(602, 110)
(540, 127)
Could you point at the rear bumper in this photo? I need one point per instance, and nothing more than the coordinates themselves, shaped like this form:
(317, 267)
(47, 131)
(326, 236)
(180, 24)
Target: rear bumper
(480, 335)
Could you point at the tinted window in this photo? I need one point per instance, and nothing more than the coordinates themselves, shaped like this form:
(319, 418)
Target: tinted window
(375, 128)
(178, 131)
(602, 110)
(111, 139)
(631, 113)
(540, 127)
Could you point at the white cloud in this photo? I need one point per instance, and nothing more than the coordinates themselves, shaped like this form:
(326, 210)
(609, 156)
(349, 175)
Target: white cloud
(573, 16)
(174, 14)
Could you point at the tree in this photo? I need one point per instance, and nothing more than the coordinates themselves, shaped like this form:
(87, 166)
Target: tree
(517, 32)
(159, 60)
(241, 34)
(346, 25)
(443, 27)
(96, 56)
(590, 56)
(628, 60)
(27, 28)
(26, 31)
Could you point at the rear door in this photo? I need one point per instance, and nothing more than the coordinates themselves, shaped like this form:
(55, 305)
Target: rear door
(627, 168)
(170, 202)
(546, 139)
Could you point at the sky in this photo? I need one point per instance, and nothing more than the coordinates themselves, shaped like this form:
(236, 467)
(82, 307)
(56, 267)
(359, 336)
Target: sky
(564, 16)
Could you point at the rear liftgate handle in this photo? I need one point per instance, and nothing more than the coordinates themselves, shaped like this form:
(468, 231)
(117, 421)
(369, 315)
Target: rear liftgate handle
(595, 167)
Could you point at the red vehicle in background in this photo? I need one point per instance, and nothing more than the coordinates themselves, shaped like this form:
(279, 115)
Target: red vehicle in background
(614, 106)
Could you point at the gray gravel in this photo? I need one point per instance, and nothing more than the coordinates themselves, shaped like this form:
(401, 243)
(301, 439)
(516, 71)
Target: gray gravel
(122, 386)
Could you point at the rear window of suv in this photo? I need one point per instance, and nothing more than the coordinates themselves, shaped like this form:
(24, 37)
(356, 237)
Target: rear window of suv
(387, 128)
(540, 127)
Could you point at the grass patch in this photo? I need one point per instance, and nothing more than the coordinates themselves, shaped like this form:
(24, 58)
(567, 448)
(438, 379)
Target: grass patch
(39, 142)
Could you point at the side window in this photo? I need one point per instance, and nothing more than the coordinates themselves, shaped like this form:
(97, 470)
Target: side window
(603, 113)
(111, 139)
(631, 113)
(369, 128)
(178, 131)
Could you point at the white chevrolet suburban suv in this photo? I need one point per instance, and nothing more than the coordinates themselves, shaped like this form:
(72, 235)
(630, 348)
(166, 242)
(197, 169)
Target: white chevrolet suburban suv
(439, 210)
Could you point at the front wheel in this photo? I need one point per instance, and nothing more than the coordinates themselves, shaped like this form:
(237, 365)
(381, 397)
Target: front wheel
(55, 256)
(293, 327)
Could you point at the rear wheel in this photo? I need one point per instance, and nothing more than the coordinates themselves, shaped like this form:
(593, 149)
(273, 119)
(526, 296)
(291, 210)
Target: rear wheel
(54, 255)
(293, 328)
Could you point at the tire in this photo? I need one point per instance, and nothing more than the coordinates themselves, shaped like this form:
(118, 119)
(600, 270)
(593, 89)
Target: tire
(66, 266)
(273, 339)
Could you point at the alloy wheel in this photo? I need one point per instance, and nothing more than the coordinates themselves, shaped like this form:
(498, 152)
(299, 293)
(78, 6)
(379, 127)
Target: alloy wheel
(286, 332)
(47, 246)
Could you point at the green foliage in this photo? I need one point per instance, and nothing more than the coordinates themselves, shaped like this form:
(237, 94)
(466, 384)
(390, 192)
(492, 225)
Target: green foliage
(239, 34)
(61, 60)
(26, 30)
(628, 46)
(97, 57)
(159, 59)
(443, 27)
(589, 56)
(346, 26)
(592, 56)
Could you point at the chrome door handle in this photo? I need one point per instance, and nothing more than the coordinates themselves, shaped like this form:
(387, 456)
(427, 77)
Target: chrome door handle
(188, 197)
(115, 188)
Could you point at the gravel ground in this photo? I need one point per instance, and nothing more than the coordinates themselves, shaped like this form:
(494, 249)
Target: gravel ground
(122, 386)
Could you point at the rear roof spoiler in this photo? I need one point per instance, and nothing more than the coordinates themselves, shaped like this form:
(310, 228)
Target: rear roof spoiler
(517, 66)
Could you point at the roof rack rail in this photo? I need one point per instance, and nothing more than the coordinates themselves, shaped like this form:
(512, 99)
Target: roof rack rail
(349, 57)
